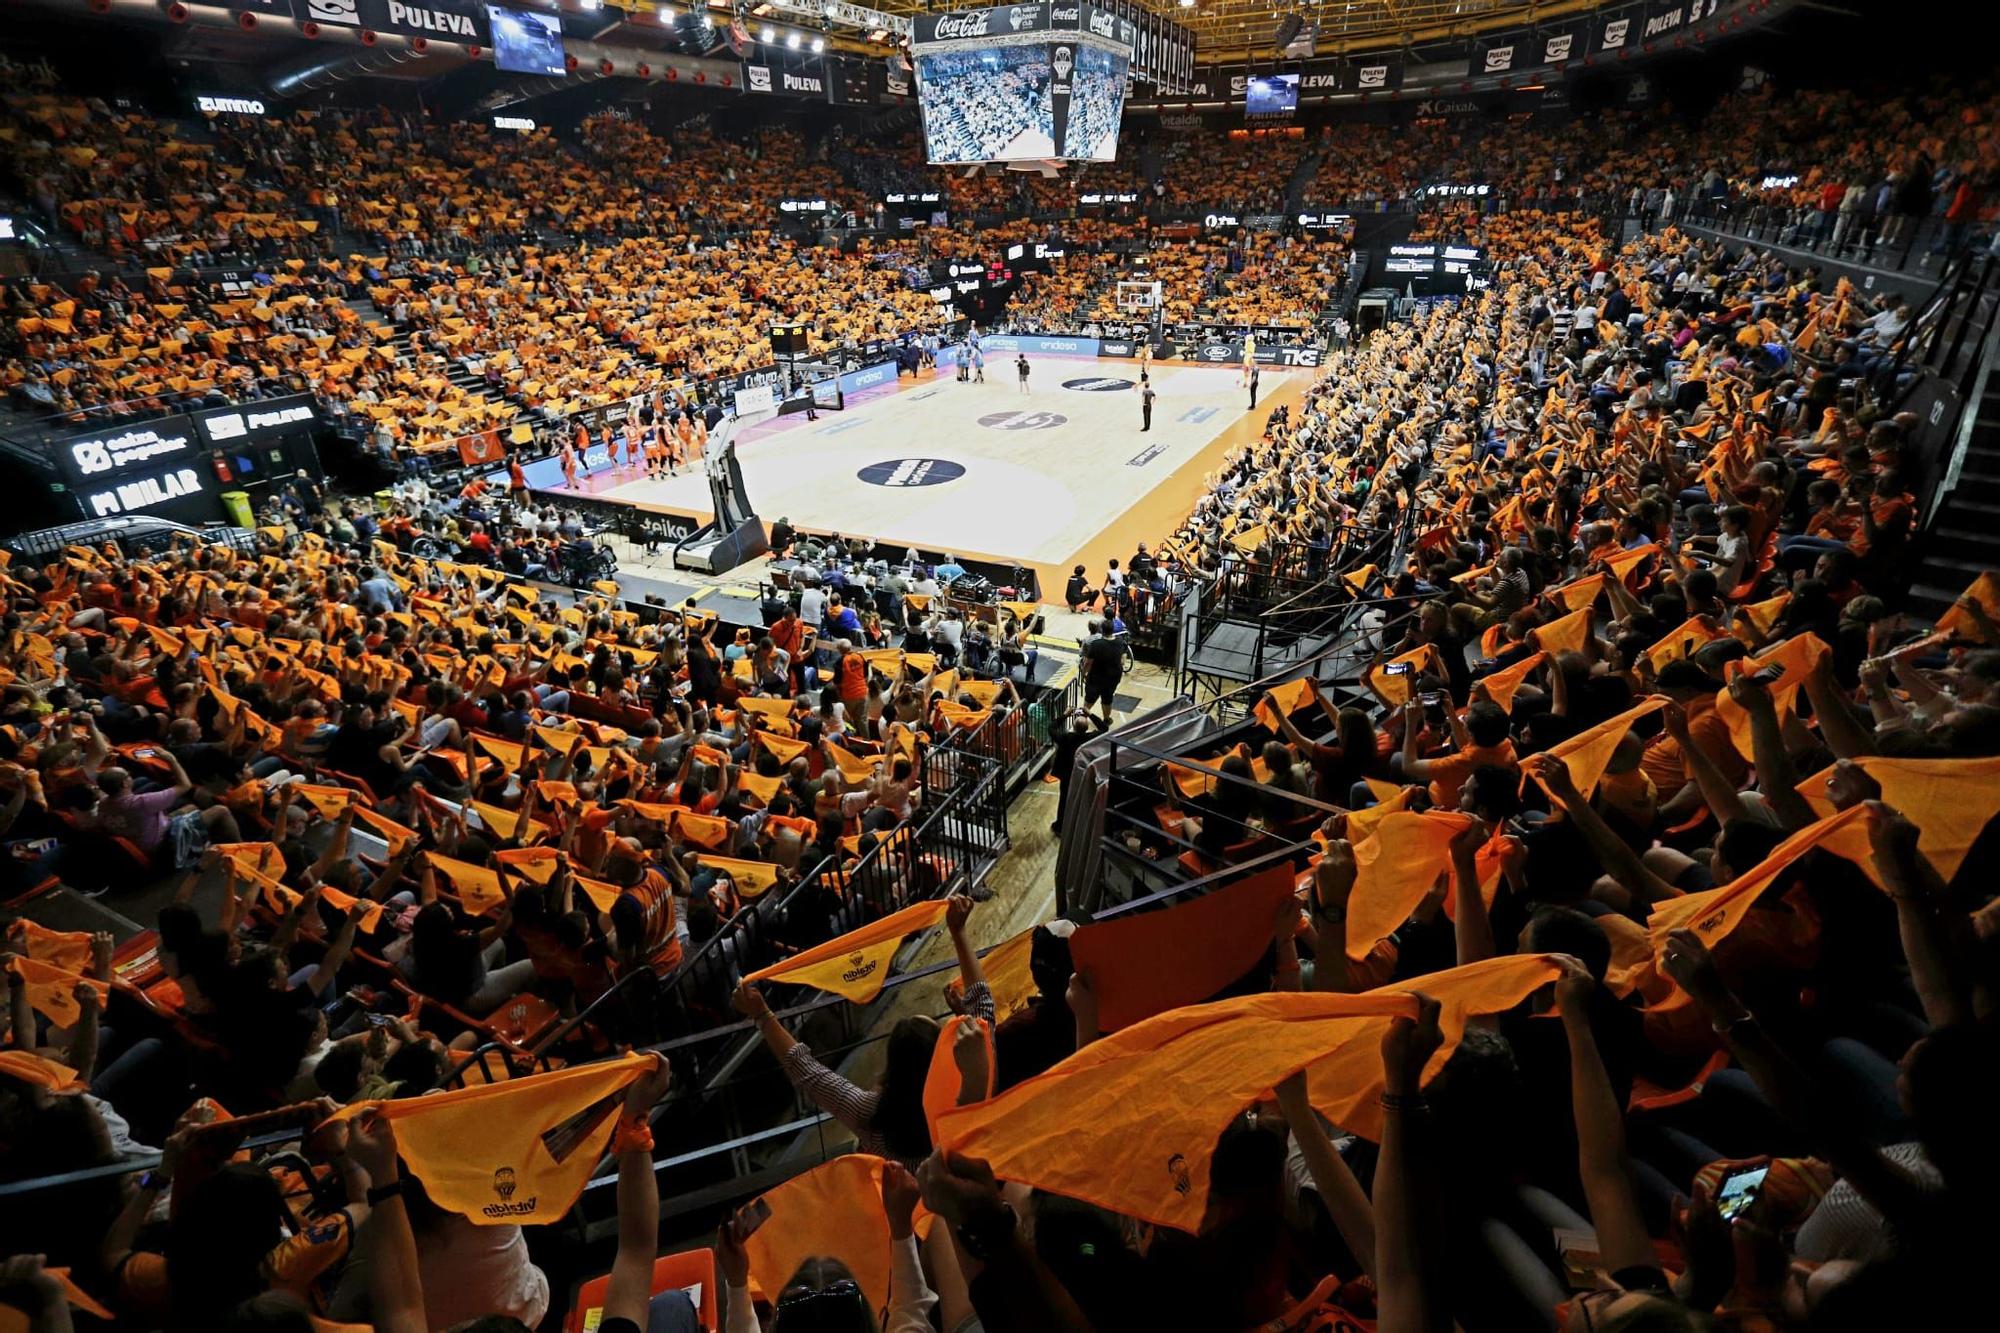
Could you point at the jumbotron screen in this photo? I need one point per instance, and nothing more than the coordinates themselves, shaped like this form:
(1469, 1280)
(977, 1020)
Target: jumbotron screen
(1023, 82)
(994, 105)
(1096, 105)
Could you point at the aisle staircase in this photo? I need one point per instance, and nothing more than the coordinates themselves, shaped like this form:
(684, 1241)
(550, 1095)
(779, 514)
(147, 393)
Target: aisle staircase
(1964, 537)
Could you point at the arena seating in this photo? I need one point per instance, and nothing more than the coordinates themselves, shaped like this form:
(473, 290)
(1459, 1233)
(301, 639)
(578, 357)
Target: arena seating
(1595, 940)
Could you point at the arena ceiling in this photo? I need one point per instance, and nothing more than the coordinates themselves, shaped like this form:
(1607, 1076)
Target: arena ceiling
(1227, 30)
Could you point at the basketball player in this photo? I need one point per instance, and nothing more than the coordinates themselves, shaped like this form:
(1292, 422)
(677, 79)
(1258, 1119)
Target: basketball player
(656, 450)
(633, 456)
(1021, 366)
(978, 365)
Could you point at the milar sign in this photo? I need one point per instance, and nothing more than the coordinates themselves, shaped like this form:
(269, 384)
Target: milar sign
(131, 497)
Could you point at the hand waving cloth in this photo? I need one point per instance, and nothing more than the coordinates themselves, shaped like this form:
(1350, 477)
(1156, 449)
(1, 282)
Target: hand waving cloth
(1130, 1122)
(514, 1153)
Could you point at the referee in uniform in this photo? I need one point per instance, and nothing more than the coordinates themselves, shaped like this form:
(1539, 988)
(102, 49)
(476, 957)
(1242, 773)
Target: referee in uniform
(1146, 402)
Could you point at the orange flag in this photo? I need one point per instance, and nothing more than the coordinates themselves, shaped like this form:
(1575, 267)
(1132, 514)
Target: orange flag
(855, 770)
(329, 801)
(855, 965)
(537, 865)
(66, 949)
(1394, 687)
(943, 1083)
(51, 990)
(767, 707)
(1588, 753)
(1714, 913)
(397, 836)
(1689, 635)
(1565, 634)
(513, 1153)
(1795, 659)
(1394, 868)
(38, 1071)
(1501, 685)
(263, 857)
(509, 753)
(833, 1211)
(1097, 1128)
(504, 822)
(1579, 593)
(1949, 800)
(1622, 564)
(1362, 823)
(1985, 590)
(753, 879)
(1764, 615)
(705, 831)
(1346, 1084)
(477, 887)
(782, 748)
(761, 788)
(371, 912)
(1144, 963)
(1283, 700)
(1007, 975)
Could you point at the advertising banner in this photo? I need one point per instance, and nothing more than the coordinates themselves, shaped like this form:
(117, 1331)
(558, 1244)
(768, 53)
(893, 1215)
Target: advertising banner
(438, 20)
(1375, 74)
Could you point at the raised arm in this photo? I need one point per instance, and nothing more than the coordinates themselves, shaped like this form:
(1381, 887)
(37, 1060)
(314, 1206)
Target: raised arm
(630, 1289)
(1602, 1163)
(1408, 1242)
(1472, 928)
(1777, 775)
(957, 911)
(1620, 860)
(1346, 1202)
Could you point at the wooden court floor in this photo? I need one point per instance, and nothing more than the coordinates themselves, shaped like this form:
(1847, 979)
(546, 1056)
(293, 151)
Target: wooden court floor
(1058, 476)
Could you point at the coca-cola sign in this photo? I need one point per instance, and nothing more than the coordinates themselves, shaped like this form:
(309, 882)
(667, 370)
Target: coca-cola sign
(957, 27)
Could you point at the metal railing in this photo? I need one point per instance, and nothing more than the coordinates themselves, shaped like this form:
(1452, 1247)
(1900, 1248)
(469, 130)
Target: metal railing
(1898, 243)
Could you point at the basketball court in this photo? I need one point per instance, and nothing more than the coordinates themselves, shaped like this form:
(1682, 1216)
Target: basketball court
(1059, 476)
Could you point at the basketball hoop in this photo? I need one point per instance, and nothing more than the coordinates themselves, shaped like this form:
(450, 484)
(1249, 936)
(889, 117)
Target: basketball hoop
(1138, 297)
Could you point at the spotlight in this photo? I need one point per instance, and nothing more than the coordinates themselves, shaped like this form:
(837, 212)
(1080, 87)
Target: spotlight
(819, 44)
(792, 42)
(770, 33)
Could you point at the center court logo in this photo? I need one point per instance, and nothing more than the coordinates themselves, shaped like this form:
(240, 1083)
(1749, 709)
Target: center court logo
(912, 472)
(1097, 384)
(1022, 421)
